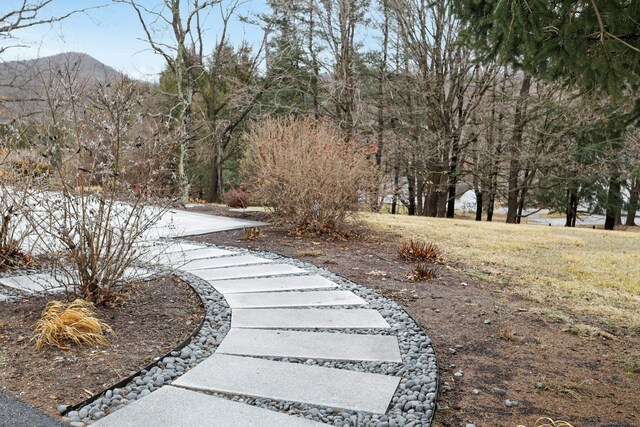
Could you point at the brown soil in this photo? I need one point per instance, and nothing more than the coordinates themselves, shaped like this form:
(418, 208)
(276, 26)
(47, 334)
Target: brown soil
(588, 381)
(154, 317)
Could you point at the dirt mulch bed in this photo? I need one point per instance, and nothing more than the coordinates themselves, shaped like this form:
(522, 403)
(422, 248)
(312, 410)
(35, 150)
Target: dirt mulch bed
(589, 381)
(155, 316)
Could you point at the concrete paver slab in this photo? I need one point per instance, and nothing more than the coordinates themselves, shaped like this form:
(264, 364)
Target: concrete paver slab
(248, 271)
(293, 299)
(314, 385)
(270, 284)
(168, 247)
(175, 407)
(180, 258)
(176, 223)
(311, 345)
(289, 318)
(227, 261)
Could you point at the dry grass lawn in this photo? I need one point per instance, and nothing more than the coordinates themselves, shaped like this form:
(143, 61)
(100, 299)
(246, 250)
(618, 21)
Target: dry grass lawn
(585, 271)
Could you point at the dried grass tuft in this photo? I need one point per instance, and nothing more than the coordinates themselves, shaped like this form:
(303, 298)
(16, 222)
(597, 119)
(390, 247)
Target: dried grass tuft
(548, 422)
(251, 233)
(12, 257)
(422, 273)
(63, 324)
(419, 251)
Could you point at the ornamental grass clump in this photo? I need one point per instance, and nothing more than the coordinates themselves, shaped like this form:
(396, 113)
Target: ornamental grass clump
(422, 273)
(63, 324)
(419, 251)
(548, 422)
(306, 173)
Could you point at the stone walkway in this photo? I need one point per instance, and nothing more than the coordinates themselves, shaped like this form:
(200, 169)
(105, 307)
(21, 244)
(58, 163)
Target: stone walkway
(265, 322)
(279, 311)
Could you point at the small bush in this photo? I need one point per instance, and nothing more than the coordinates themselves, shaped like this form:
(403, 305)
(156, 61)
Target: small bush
(419, 251)
(306, 173)
(237, 198)
(422, 273)
(12, 257)
(72, 323)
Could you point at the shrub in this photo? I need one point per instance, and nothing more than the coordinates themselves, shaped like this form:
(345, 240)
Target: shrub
(419, 251)
(422, 273)
(237, 198)
(306, 172)
(106, 194)
(15, 206)
(72, 323)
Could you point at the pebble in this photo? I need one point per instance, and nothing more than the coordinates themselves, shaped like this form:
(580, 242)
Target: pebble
(61, 408)
(475, 391)
(510, 403)
(487, 322)
(500, 391)
(458, 374)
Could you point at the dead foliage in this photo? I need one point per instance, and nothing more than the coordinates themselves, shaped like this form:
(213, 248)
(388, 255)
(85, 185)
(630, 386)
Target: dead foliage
(305, 171)
(237, 198)
(251, 233)
(419, 251)
(309, 253)
(63, 324)
(422, 273)
(12, 257)
(548, 422)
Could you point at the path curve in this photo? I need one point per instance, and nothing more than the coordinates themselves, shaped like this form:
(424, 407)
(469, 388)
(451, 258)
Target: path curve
(297, 336)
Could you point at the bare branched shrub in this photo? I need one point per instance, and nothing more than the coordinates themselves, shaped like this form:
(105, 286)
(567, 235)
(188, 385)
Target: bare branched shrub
(237, 198)
(305, 172)
(105, 192)
(420, 251)
(16, 179)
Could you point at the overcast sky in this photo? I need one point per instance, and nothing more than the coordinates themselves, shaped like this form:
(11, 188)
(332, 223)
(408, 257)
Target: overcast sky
(112, 34)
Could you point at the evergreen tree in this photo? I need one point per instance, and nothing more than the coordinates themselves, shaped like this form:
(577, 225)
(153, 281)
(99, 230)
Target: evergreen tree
(590, 43)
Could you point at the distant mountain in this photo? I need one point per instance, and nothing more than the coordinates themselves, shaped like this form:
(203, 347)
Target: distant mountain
(23, 83)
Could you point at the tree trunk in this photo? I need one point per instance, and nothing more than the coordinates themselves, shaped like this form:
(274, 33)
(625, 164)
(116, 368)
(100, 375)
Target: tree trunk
(634, 195)
(613, 202)
(479, 196)
(420, 196)
(521, 199)
(212, 194)
(572, 208)
(516, 142)
(453, 177)
(412, 193)
(394, 200)
(432, 195)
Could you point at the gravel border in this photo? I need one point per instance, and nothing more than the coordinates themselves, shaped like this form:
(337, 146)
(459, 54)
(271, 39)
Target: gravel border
(215, 326)
(414, 403)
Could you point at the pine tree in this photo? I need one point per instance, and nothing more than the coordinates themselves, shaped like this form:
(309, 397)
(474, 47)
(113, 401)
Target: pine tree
(589, 43)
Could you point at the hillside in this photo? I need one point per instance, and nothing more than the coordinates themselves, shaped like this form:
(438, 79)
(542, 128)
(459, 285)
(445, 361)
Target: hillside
(23, 83)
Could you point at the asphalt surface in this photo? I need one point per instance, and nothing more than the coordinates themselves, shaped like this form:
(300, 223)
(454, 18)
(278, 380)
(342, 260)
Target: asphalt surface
(16, 413)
